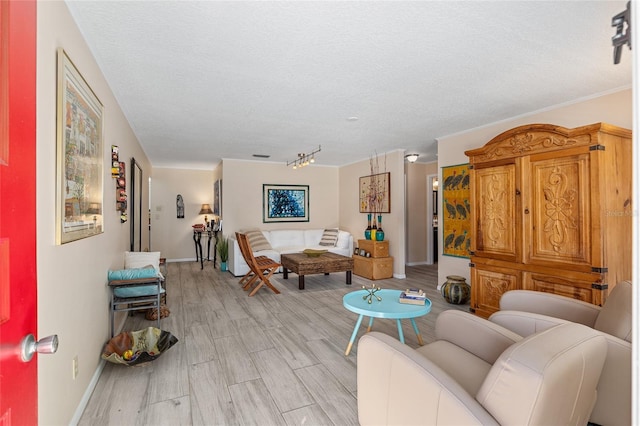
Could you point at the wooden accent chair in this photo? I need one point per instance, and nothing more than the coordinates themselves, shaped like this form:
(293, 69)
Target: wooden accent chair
(244, 281)
(261, 268)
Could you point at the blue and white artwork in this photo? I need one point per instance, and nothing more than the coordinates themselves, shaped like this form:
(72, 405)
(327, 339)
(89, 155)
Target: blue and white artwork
(286, 203)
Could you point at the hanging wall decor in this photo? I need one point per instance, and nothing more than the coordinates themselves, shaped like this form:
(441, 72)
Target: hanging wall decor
(285, 203)
(375, 193)
(217, 198)
(179, 207)
(456, 211)
(121, 192)
(115, 161)
(79, 174)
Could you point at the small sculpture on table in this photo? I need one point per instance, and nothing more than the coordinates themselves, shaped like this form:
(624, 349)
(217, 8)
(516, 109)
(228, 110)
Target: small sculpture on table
(371, 293)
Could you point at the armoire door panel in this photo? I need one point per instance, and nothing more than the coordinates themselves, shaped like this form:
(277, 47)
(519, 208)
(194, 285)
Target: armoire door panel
(560, 223)
(489, 284)
(495, 226)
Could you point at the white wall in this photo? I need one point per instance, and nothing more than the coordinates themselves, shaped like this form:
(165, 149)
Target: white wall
(73, 300)
(614, 108)
(242, 194)
(171, 236)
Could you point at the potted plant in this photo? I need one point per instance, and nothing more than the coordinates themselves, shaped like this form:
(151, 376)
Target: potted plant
(223, 252)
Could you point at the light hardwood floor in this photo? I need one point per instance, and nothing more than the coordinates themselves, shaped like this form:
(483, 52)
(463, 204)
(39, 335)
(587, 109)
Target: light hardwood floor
(263, 360)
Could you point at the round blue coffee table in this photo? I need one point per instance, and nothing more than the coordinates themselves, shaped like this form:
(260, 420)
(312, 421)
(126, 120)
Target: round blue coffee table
(389, 308)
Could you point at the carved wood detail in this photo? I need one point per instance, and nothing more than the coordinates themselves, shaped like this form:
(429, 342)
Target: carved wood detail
(526, 143)
(559, 209)
(494, 201)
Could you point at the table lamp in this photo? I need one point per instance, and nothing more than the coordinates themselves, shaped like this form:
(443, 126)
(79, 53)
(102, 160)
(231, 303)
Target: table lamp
(205, 210)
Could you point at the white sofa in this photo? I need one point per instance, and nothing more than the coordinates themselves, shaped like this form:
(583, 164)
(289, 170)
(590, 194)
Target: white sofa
(288, 241)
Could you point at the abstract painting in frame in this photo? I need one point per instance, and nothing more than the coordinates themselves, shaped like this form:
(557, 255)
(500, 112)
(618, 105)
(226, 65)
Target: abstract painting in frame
(456, 211)
(375, 193)
(285, 203)
(79, 174)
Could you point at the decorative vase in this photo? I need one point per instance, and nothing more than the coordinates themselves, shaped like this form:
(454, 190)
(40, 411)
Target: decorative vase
(223, 266)
(456, 290)
(374, 229)
(379, 231)
(367, 232)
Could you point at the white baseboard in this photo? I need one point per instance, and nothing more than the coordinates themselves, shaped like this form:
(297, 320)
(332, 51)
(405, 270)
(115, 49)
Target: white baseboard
(424, 262)
(191, 259)
(400, 276)
(93, 383)
(87, 393)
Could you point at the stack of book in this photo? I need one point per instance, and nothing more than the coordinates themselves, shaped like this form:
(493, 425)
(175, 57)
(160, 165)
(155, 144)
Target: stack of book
(413, 296)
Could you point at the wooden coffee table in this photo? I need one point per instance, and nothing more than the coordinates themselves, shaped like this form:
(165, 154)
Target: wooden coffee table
(303, 265)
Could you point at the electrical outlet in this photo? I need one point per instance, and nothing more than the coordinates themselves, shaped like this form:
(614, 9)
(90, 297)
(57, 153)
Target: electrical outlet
(75, 367)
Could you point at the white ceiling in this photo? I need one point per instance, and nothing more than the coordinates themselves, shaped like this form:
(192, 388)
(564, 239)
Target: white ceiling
(205, 80)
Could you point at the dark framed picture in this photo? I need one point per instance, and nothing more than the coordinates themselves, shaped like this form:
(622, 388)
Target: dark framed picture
(285, 203)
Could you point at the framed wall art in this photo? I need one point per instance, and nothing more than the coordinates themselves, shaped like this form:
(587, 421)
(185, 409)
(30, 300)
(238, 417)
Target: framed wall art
(79, 174)
(456, 211)
(217, 198)
(285, 203)
(375, 193)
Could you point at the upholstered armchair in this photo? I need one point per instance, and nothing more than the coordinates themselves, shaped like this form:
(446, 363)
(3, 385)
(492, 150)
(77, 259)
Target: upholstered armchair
(479, 373)
(526, 312)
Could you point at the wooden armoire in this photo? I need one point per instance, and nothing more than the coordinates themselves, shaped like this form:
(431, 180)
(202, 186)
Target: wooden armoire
(551, 211)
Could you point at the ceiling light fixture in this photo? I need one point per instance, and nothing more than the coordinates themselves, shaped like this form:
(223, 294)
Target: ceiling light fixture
(304, 159)
(412, 158)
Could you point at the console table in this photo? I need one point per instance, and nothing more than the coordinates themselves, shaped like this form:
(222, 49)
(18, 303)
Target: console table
(197, 238)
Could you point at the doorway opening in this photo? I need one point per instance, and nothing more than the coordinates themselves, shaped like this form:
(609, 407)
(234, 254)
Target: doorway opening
(432, 219)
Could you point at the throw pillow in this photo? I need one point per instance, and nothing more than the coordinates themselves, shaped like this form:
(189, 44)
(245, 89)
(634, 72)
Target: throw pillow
(329, 238)
(257, 241)
(141, 259)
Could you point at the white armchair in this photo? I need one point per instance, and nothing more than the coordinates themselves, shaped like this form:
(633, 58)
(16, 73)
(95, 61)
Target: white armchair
(478, 373)
(525, 312)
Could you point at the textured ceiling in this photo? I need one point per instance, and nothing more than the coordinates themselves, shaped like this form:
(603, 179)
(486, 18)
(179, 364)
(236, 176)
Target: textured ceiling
(205, 80)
